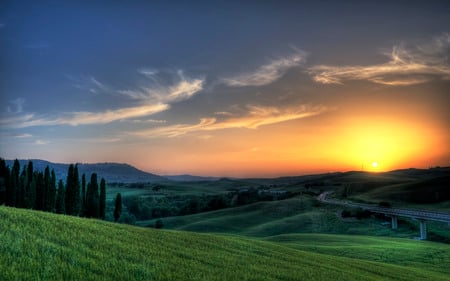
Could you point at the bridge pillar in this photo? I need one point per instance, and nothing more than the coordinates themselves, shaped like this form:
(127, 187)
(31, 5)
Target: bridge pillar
(423, 230)
(394, 222)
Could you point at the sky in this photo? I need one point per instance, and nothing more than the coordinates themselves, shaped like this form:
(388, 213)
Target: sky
(227, 88)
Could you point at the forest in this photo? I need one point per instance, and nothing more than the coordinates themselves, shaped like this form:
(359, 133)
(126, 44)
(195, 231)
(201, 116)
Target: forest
(24, 187)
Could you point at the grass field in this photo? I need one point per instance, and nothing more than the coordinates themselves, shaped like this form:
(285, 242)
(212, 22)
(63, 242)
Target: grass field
(294, 215)
(43, 246)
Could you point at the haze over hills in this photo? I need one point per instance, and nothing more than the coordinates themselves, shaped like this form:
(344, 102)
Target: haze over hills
(112, 172)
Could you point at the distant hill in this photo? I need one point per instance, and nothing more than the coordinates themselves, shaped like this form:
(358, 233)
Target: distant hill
(112, 172)
(190, 178)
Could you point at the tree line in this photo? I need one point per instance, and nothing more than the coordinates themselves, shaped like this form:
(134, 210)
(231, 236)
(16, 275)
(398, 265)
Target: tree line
(31, 189)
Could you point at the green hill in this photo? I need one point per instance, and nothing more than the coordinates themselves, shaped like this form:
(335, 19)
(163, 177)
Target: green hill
(43, 246)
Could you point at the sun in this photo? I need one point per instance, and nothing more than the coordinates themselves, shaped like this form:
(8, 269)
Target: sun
(374, 165)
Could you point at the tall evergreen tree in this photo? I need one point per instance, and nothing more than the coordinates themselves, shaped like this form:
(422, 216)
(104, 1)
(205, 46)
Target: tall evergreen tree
(60, 206)
(30, 193)
(46, 193)
(102, 203)
(76, 191)
(51, 197)
(118, 207)
(72, 194)
(92, 198)
(13, 184)
(40, 189)
(4, 180)
(21, 188)
(83, 195)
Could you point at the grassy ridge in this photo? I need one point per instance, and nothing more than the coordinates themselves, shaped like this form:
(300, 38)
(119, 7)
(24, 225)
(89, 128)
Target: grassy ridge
(294, 215)
(43, 246)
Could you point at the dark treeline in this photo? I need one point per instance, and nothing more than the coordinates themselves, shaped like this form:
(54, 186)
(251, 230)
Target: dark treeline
(30, 189)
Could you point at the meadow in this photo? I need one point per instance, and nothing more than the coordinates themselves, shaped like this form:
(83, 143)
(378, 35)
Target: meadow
(44, 246)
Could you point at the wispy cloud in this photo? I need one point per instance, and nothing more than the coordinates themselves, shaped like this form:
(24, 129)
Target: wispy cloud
(256, 117)
(406, 66)
(41, 142)
(17, 105)
(150, 102)
(183, 89)
(84, 118)
(267, 73)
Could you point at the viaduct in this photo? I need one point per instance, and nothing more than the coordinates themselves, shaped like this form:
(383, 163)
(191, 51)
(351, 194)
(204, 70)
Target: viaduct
(421, 215)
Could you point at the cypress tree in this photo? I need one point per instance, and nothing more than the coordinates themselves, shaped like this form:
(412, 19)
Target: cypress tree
(60, 206)
(92, 198)
(102, 203)
(4, 180)
(40, 187)
(52, 192)
(46, 193)
(21, 188)
(13, 184)
(83, 195)
(30, 195)
(76, 191)
(118, 207)
(72, 194)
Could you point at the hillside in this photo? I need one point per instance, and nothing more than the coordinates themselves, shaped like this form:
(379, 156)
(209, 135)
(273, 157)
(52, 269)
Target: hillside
(112, 172)
(44, 246)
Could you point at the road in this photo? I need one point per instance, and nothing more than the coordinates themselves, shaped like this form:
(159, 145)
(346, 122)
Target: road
(409, 213)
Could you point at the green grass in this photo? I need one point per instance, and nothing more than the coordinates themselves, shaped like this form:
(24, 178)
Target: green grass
(43, 246)
(294, 215)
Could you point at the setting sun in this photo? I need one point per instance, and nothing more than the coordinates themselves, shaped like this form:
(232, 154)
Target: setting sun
(374, 165)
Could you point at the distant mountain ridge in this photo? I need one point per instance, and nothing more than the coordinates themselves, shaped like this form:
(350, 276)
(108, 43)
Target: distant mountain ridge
(112, 172)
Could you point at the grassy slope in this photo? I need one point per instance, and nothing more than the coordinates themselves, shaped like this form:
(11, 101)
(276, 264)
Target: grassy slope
(43, 246)
(295, 215)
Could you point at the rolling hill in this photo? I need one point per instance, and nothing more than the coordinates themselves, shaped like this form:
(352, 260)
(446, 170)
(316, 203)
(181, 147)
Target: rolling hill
(44, 246)
(112, 172)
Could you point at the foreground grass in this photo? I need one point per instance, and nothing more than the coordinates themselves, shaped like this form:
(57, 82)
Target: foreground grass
(42, 246)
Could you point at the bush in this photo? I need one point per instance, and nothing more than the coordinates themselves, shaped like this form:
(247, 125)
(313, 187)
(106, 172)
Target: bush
(159, 224)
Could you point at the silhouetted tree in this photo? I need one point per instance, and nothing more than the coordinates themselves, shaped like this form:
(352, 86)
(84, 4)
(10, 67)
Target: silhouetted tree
(72, 192)
(118, 207)
(30, 188)
(60, 206)
(92, 198)
(51, 196)
(46, 193)
(40, 186)
(83, 195)
(4, 180)
(102, 203)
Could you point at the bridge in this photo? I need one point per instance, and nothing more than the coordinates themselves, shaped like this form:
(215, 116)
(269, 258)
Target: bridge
(421, 215)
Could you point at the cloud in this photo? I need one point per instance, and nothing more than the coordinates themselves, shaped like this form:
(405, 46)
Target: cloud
(256, 117)
(406, 66)
(18, 104)
(41, 142)
(150, 101)
(183, 89)
(84, 118)
(267, 73)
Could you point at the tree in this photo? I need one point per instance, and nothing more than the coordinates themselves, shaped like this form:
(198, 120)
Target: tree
(60, 206)
(52, 192)
(83, 195)
(118, 207)
(92, 198)
(13, 185)
(30, 190)
(4, 181)
(72, 193)
(40, 186)
(102, 203)
(46, 193)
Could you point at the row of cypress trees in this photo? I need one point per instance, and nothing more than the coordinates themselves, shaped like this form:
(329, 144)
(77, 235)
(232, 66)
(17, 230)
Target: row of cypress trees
(37, 190)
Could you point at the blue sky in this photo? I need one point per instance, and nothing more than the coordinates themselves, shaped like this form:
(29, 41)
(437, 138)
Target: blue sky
(237, 88)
